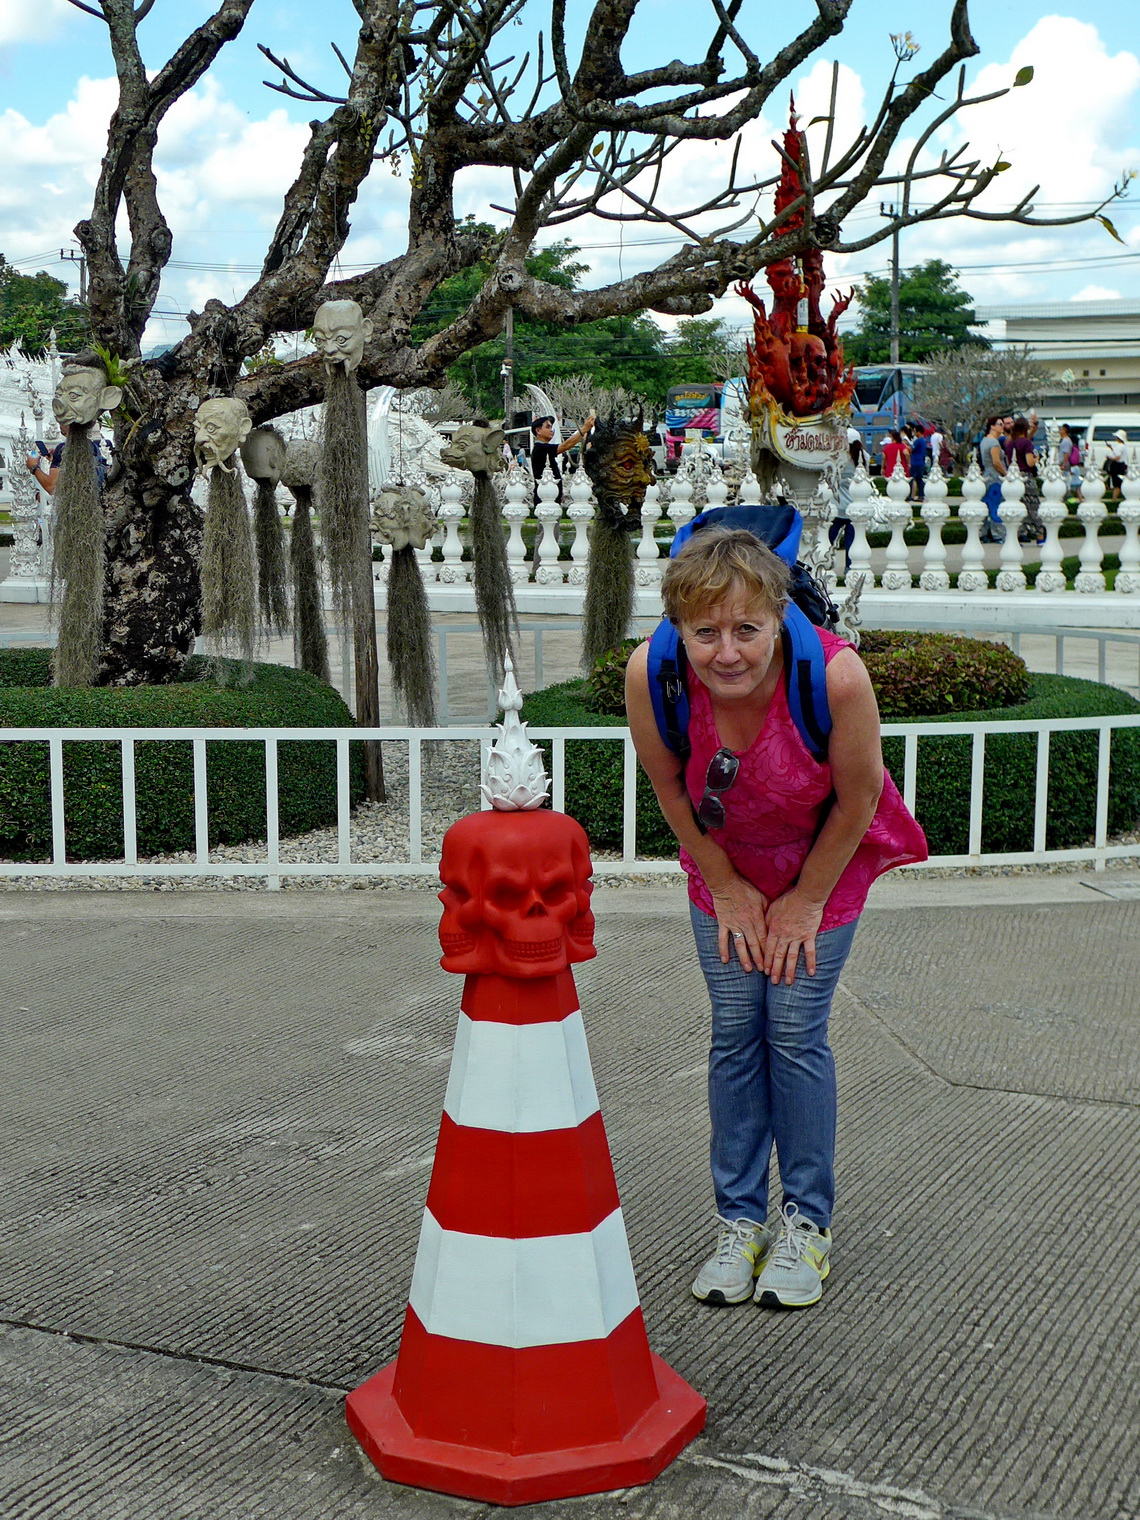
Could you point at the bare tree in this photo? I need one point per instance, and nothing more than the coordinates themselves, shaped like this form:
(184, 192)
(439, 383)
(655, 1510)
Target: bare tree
(966, 386)
(435, 89)
(577, 396)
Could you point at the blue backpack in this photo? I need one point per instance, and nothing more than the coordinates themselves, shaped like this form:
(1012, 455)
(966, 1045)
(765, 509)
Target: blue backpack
(805, 671)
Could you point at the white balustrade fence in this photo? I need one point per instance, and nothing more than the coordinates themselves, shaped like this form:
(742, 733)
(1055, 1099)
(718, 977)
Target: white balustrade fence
(946, 569)
(272, 868)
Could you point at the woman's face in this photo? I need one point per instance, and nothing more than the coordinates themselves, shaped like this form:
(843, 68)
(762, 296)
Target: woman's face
(731, 646)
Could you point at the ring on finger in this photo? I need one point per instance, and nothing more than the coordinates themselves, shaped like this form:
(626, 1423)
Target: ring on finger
(738, 934)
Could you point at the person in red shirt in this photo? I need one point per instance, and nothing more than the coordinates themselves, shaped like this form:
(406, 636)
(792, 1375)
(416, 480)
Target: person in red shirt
(895, 449)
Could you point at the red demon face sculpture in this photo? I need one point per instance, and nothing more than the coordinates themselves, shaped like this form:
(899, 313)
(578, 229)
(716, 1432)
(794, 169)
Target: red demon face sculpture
(516, 894)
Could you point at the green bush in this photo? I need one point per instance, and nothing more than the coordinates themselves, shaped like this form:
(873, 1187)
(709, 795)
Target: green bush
(276, 697)
(918, 674)
(594, 773)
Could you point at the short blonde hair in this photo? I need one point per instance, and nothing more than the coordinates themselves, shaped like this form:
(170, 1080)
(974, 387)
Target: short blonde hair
(715, 563)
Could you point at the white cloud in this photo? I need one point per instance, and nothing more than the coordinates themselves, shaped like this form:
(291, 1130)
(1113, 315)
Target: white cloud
(1096, 293)
(31, 20)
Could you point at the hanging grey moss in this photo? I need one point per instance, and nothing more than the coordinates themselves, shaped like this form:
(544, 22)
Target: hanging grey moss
(343, 496)
(494, 591)
(308, 619)
(619, 462)
(269, 541)
(411, 650)
(229, 579)
(608, 605)
(78, 563)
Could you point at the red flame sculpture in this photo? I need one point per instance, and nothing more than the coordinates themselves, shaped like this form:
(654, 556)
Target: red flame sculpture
(795, 359)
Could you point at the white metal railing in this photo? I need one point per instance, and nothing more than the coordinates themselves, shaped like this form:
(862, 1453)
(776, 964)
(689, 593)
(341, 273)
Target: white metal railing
(272, 868)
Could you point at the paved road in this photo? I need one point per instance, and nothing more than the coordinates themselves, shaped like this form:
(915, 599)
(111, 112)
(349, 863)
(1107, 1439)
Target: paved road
(218, 1117)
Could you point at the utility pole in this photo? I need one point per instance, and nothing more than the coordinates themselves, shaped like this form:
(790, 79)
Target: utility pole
(508, 370)
(891, 210)
(70, 256)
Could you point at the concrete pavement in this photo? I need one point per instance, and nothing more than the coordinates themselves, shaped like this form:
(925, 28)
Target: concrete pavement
(218, 1115)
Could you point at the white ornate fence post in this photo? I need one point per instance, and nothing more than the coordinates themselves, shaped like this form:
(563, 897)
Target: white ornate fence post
(1011, 577)
(648, 572)
(934, 510)
(681, 508)
(547, 570)
(581, 513)
(453, 571)
(1092, 512)
(516, 510)
(972, 576)
(716, 493)
(860, 515)
(1052, 512)
(750, 494)
(897, 576)
(1128, 576)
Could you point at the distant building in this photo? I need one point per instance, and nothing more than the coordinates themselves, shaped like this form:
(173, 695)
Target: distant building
(1093, 347)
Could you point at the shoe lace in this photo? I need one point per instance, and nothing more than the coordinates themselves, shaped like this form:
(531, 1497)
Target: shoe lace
(793, 1241)
(734, 1235)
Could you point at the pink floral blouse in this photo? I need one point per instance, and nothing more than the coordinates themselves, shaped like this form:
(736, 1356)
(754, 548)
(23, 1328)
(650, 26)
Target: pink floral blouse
(772, 810)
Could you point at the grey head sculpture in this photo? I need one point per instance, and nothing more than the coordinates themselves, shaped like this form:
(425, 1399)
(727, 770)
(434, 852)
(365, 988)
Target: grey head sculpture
(476, 447)
(340, 331)
(263, 454)
(402, 515)
(221, 426)
(84, 390)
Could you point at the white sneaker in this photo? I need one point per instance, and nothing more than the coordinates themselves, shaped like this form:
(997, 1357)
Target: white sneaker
(793, 1277)
(742, 1248)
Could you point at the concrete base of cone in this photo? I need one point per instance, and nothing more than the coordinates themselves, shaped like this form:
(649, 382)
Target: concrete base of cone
(496, 1477)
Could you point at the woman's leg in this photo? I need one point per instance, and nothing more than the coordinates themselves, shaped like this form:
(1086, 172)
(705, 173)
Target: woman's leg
(741, 1142)
(801, 1078)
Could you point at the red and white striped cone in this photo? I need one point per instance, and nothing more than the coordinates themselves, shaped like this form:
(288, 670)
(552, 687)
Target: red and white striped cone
(524, 1370)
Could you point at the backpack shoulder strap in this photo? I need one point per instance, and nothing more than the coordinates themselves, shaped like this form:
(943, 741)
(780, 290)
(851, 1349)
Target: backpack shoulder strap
(805, 675)
(668, 690)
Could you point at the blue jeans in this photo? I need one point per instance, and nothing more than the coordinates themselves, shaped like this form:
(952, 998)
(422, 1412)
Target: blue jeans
(772, 1078)
(992, 501)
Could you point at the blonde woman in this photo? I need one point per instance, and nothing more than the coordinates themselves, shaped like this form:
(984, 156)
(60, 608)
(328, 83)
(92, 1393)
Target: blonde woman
(780, 851)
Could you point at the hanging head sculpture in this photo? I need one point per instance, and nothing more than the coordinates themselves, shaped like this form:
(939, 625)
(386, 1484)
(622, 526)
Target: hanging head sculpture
(403, 519)
(619, 461)
(298, 475)
(79, 540)
(340, 331)
(229, 578)
(478, 447)
(221, 426)
(263, 454)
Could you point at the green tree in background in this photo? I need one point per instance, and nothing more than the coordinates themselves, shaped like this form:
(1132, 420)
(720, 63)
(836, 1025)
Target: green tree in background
(705, 349)
(31, 305)
(935, 314)
(630, 352)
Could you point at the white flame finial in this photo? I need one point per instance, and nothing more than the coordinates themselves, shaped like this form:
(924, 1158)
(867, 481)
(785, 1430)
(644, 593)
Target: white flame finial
(516, 780)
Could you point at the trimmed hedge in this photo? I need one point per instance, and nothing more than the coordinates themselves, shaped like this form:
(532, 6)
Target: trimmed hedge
(594, 773)
(923, 674)
(275, 697)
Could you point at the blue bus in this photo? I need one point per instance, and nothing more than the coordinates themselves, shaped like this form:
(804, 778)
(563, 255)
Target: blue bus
(884, 398)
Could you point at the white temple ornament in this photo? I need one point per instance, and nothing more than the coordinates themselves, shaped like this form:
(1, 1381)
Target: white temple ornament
(516, 779)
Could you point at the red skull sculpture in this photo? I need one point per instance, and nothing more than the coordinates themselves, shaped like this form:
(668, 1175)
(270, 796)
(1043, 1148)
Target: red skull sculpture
(516, 894)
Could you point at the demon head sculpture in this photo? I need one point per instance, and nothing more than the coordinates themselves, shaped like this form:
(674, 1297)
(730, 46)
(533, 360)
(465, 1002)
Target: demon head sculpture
(263, 454)
(402, 515)
(619, 461)
(516, 894)
(475, 447)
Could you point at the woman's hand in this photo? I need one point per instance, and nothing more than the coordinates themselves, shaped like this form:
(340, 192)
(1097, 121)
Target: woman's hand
(741, 915)
(793, 922)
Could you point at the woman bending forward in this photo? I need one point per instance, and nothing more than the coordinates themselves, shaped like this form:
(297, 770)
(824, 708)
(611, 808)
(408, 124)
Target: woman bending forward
(780, 852)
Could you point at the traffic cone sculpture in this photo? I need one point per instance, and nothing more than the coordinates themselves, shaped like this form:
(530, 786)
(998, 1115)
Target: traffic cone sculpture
(524, 1371)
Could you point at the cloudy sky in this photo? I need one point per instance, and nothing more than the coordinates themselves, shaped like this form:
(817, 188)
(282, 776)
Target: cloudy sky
(229, 149)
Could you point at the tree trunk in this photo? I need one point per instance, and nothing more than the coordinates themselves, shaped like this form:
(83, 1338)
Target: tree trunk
(153, 595)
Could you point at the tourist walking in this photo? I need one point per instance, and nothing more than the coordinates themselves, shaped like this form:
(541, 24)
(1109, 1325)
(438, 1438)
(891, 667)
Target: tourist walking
(919, 463)
(894, 450)
(1116, 462)
(780, 851)
(1019, 449)
(993, 473)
